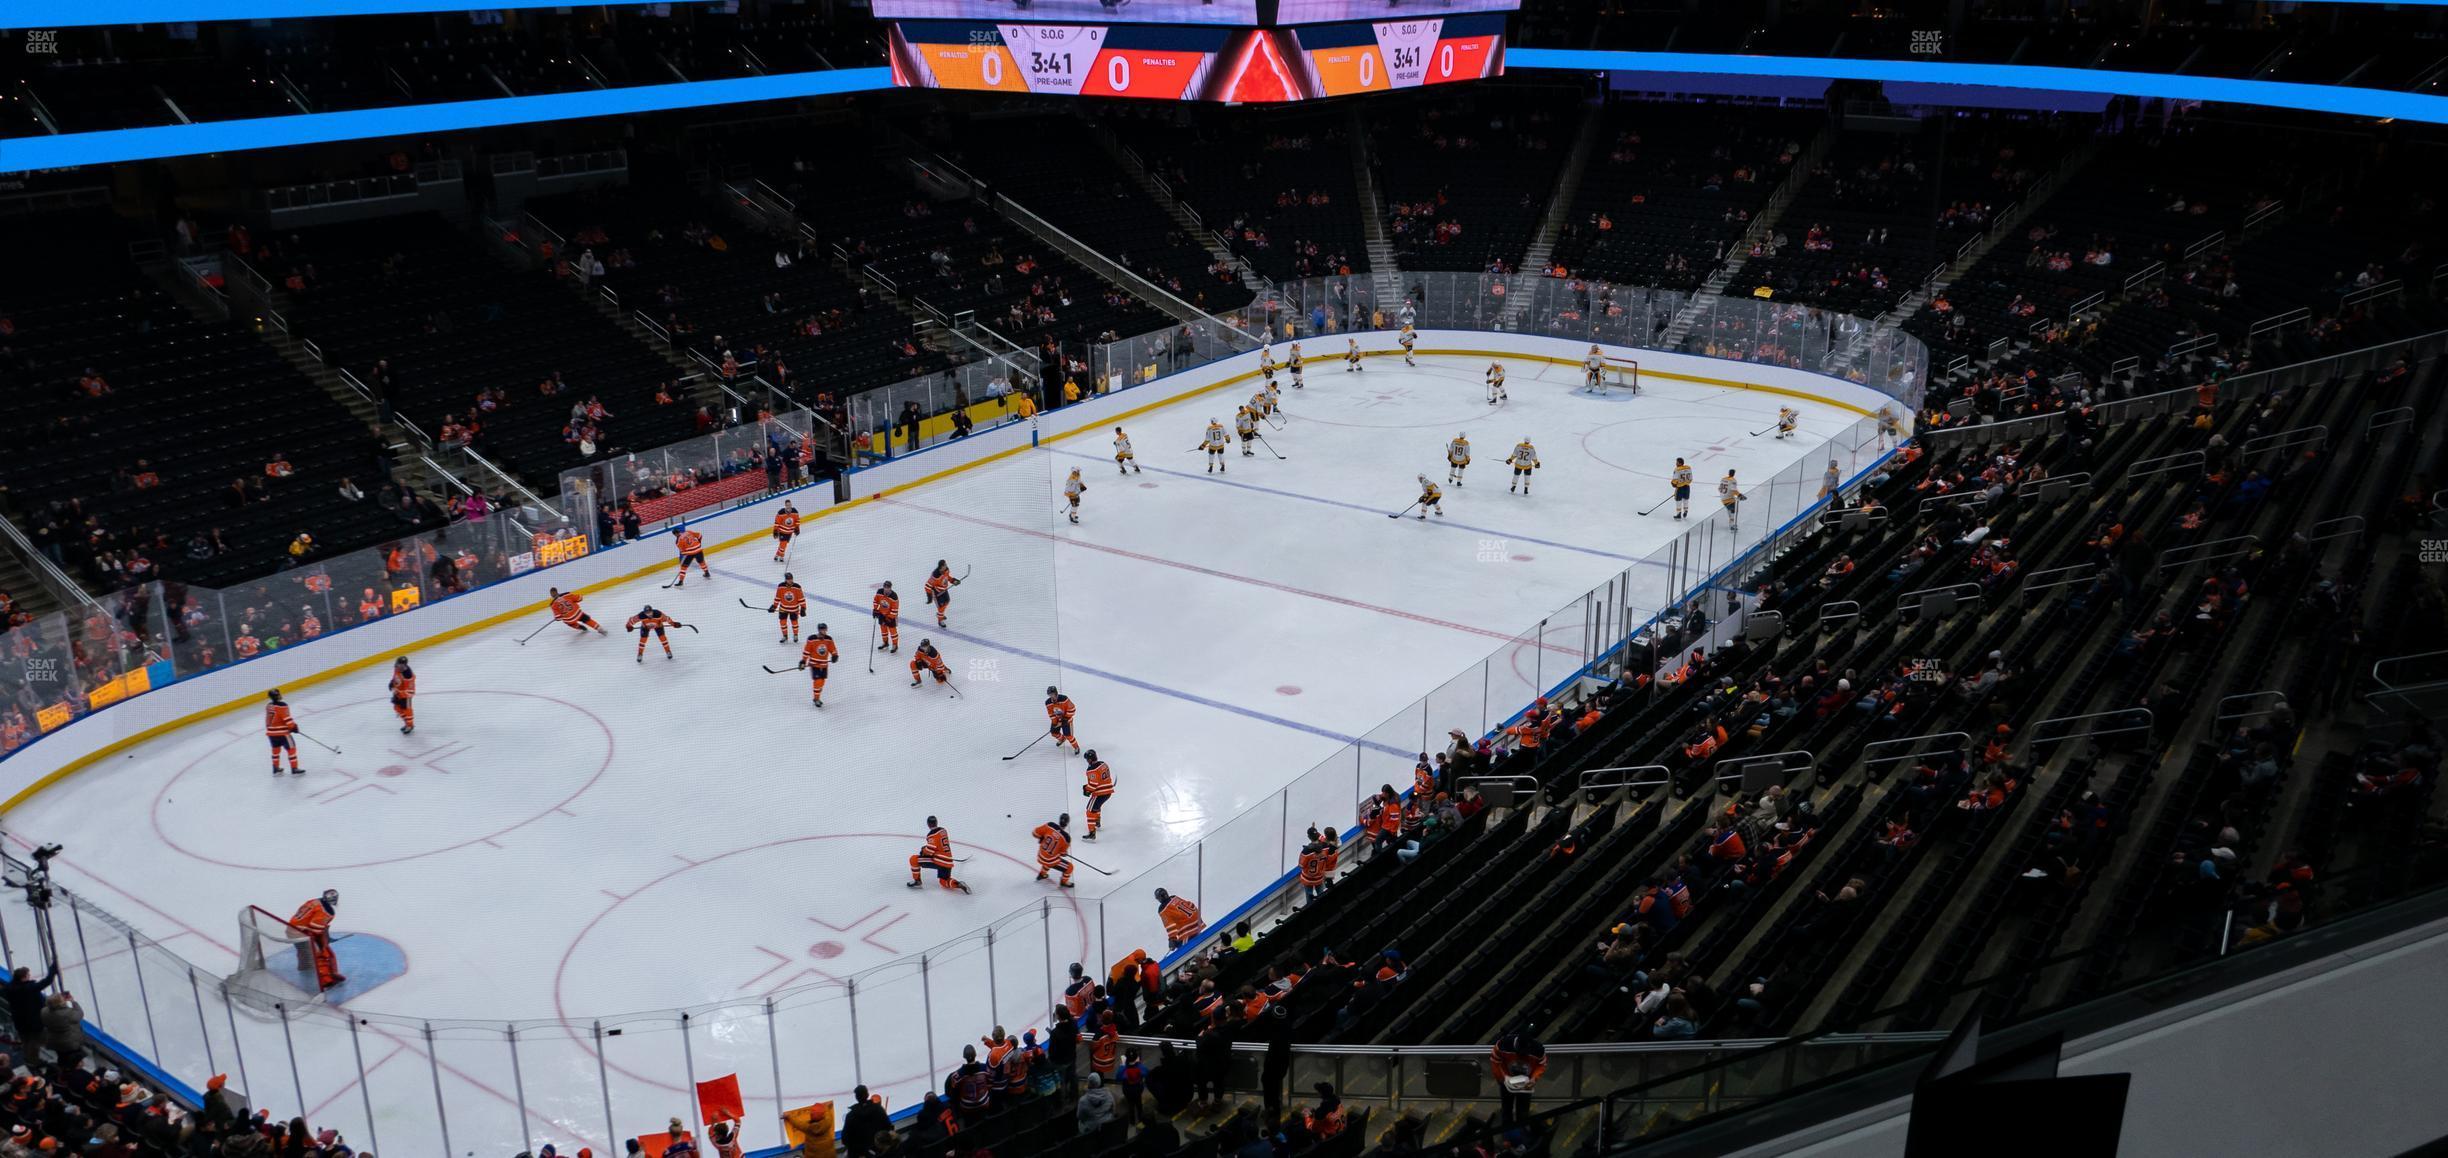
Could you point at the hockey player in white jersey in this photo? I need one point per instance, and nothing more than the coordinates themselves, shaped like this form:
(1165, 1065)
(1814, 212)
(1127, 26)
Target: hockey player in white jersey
(1524, 459)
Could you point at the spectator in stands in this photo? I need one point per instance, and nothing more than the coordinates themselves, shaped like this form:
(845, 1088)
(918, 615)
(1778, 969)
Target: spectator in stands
(865, 1121)
(23, 993)
(64, 1028)
(1096, 1107)
(1211, 1060)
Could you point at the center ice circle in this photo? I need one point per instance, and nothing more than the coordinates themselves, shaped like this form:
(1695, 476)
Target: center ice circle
(472, 772)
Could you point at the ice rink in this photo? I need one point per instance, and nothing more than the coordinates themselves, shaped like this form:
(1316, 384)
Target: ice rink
(572, 835)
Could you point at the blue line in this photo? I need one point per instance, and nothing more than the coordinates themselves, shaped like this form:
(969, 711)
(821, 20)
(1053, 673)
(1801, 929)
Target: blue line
(2324, 98)
(1127, 681)
(1219, 481)
(107, 146)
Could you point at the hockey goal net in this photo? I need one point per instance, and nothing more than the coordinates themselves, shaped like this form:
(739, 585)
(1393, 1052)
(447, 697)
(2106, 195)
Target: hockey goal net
(1623, 374)
(276, 972)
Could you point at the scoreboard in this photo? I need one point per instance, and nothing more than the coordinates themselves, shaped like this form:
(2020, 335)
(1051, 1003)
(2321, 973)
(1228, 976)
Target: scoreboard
(1340, 59)
(1196, 63)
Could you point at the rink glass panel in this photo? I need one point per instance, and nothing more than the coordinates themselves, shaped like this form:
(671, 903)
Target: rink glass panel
(594, 1081)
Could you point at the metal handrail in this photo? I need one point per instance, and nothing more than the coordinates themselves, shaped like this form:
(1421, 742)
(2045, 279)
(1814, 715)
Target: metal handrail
(1964, 745)
(2127, 715)
(1594, 779)
(2398, 416)
(533, 499)
(2255, 704)
(2167, 462)
(2039, 581)
(67, 590)
(2336, 528)
(2228, 548)
(2286, 439)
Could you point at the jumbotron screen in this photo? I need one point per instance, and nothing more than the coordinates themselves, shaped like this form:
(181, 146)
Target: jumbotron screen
(1197, 63)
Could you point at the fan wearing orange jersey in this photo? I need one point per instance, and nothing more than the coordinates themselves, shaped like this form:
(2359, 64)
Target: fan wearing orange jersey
(786, 528)
(691, 546)
(936, 853)
(314, 918)
(281, 728)
(938, 591)
(926, 660)
(887, 612)
(649, 621)
(1181, 919)
(1098, 790)
(789, 603)
(1053, 841)
(817, 658)
(1059, 713)
(403, 694)
(566, 609)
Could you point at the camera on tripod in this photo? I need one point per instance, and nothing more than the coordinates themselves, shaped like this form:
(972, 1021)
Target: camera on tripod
(37, 882)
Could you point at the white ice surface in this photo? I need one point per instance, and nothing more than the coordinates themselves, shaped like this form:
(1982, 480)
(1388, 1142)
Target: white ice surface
(574, 835)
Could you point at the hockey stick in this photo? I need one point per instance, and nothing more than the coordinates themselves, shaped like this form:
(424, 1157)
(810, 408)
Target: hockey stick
(690, 626)
(317, 743)
(1031, 744)
(1763, 430)
(1270, 447)
(955, 690)
(871, 644)
(1084, 864)
(778, 670)
(754, 607)
(537, 631)
(1659, 503)
(964, 575)
(1404, 511)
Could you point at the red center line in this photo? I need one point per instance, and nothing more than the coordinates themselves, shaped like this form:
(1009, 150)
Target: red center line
(1211, 572)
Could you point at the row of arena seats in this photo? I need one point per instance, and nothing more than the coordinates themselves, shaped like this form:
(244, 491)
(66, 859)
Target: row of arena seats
(953, 255)
(140, 442)
(1279, 184)
(1052, 168)
(1465, 177)
(1669, 187)
(1880, 882)
(455, 341)
(715, 286)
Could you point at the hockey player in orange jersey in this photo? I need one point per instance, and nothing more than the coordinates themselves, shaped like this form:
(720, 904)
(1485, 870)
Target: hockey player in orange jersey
(1181, 919)
(927, 659)
(314, 918)
(403, 694)
(936, 853)
(691, 546)
(1059, 713)
(938, 591)
(566, 610)
(786, 528)
(887, 611)
(1053, 842)
(817, 660)
(649, 621)
(1098, 790)
(281, 728)
(789, 603)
